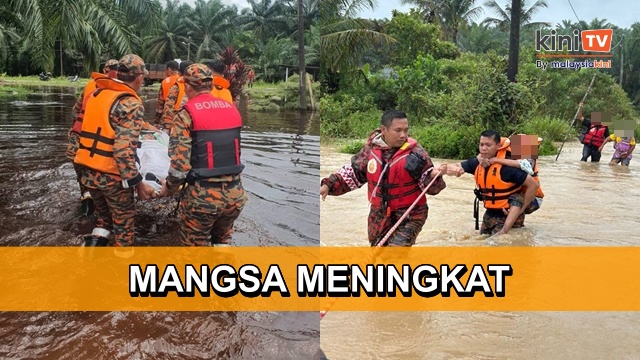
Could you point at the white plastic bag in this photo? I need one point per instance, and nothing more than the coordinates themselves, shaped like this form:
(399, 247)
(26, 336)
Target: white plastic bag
(153, 155)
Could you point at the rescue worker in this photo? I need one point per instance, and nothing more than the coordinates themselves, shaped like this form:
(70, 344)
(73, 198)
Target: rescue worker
(594, 134)
(172, 72)
(396, 169)
(498, 187)
(220, 84)
(205, 153)
(73, 136)
(108, 142)
(175, 99)
(522, 153)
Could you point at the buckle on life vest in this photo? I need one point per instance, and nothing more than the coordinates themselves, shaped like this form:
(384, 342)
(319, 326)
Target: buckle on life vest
(478, 194)
(476, 212)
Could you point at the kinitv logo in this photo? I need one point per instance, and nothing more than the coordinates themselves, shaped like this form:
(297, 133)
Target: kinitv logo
(592, 41)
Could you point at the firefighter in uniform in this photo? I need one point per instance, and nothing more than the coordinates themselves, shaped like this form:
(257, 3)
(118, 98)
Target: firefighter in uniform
(175, 99)
(73, 136)
(172, 77)
(396, 169)
(498, 187)
(205, 154)
(108, 142)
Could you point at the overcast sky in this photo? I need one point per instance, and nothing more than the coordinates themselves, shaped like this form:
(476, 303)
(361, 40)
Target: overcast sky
(623, 13)
(620, 12)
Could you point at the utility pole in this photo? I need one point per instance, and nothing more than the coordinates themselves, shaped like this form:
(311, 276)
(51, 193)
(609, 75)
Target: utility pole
(514, 40)
(621, 58)
(301, 63)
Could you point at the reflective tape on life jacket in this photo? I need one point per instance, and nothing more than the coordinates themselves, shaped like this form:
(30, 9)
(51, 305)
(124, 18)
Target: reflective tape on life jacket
(215, 132)
(595, 135)
(97, 136)
(180, 95)
(167, 83)
(494, 191)
(390, 186)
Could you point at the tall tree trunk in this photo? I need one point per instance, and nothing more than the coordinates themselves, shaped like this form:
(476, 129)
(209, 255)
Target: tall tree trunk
(514, 40)
(301, 62)
(61, 67)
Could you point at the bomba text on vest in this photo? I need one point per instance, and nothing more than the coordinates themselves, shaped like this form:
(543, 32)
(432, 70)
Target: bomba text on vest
(212, 104)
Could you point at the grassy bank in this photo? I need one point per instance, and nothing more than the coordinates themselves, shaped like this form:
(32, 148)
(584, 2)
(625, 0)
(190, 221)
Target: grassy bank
(262, 97)
(267, 97)
(35, 81)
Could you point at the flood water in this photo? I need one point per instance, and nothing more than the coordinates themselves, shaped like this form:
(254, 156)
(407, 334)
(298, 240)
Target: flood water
(39, 200)
(585, 204)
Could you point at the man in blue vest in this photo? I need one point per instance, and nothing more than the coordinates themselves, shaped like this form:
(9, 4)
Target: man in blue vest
(204, 148)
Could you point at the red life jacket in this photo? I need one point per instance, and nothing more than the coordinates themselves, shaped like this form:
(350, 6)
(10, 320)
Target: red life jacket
(395, 189)
(215, 137)
(595, 135)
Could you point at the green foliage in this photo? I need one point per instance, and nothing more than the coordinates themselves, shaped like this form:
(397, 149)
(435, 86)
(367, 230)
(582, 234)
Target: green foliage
(450, 102)
(345, 116)
(416, 39)
(352, 147)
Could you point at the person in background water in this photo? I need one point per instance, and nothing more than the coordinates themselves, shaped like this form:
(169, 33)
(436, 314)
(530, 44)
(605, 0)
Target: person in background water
(172, 77)
(221, 85)
(175, 99)
(594, 134)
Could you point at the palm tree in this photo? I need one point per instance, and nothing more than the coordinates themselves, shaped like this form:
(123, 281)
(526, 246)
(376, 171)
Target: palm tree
(343, 39)
(266, 18)
(478, 38)
(209, 26)
(166, 42)
(86, 26)
(503, 21)
(9, 25)
(450, 14)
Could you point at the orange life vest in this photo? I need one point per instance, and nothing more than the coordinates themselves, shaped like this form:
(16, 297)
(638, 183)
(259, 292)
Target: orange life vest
(494, 191)
(180, 95)
(220, 88)
(167, 83)
(395, 189)
(88, 89)
(97, 136)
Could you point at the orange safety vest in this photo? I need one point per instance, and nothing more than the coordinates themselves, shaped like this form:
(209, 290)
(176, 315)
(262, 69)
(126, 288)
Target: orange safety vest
(167, 83)
(88, 89)
(181, 94)
(97, 136)
(220, 88)
(494, 191)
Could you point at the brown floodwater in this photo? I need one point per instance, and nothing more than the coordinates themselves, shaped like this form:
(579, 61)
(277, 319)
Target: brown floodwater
(39, 201)
(585, 204)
